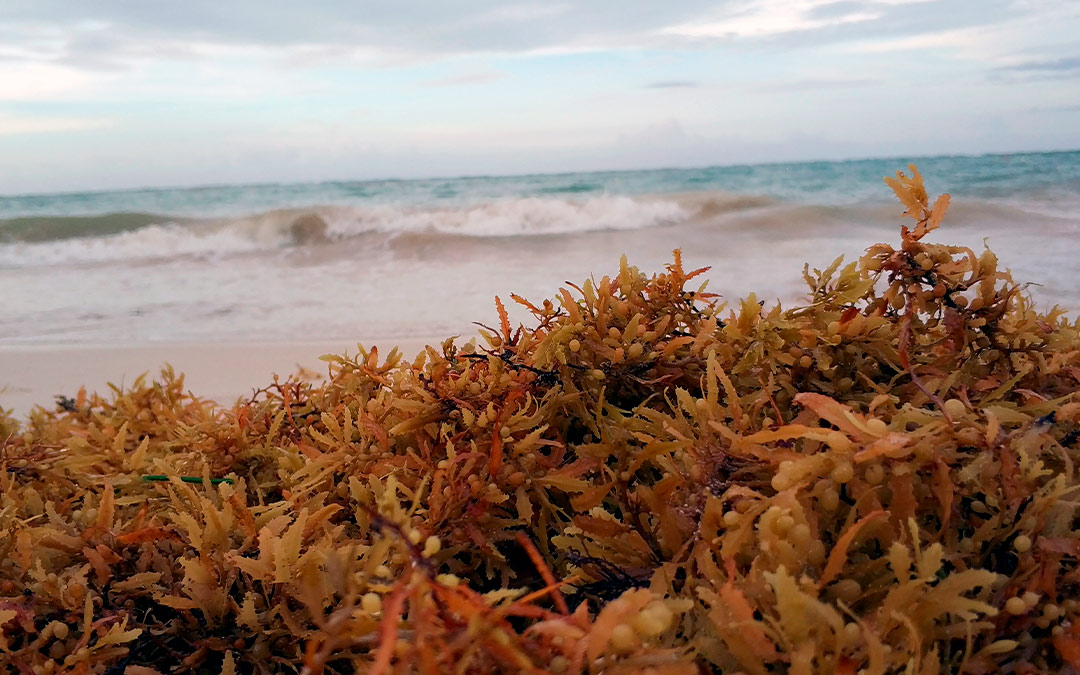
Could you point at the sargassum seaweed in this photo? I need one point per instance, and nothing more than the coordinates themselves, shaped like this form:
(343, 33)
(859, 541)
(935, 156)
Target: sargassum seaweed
(643, 480)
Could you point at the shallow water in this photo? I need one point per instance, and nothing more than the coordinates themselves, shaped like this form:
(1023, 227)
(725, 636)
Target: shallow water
(390, 258)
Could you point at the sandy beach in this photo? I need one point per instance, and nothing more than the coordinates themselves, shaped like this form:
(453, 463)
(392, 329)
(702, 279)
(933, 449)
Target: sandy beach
(35, 375)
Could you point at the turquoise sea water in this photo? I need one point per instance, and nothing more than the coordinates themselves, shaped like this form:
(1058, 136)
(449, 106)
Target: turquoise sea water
(388, 257)
(1050, 180)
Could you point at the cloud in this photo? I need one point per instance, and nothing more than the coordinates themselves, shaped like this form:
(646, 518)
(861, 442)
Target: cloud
(763, 18)
(1039, 70)
(1069, 64)
(461, 80)
(1057, 109)
(42, 81)
(673, 84)
(665, 134)
(952, 39)
(106, 29)
(814, 84)
(117, 34)
(13, 124)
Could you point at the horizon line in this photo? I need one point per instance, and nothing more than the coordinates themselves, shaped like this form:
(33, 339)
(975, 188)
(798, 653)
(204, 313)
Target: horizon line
(528, 174)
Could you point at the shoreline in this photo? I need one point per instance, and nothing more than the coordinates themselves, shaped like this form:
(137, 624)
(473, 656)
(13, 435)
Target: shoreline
(33, 375)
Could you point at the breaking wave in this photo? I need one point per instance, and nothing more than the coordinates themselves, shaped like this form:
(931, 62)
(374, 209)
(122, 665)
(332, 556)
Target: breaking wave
(43, 240)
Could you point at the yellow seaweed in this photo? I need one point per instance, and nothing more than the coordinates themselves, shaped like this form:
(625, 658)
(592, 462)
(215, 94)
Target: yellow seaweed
(644, 480)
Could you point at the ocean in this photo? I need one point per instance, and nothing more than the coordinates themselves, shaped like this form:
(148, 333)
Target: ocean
(375, 260)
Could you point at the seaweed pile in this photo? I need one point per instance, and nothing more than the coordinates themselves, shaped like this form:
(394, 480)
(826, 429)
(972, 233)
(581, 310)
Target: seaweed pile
(644, 480)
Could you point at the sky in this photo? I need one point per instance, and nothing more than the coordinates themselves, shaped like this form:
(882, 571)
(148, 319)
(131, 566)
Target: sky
(109, 94)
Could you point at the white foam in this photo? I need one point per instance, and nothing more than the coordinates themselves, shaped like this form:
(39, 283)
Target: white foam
(524, 216)
(528, 216)
(153, 241)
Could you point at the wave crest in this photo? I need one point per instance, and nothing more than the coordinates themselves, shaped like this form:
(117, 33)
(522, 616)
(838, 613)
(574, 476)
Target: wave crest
(124, 236)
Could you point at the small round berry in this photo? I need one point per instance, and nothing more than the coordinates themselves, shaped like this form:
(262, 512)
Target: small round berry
(1016, 605)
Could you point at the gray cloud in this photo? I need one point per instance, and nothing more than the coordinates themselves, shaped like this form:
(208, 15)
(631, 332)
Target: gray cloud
(1070, 64)
(673, 84)
(1065, 68)
(1057, 109)
(817, 85)
(107, 34)
(408, 26)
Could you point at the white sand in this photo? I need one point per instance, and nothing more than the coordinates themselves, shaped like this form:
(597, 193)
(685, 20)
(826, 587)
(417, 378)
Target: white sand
(34, 375)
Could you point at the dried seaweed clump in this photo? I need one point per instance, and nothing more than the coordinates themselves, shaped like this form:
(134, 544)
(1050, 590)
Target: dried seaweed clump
(882, 480)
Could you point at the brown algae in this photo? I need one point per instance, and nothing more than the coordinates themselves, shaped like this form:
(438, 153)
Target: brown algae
(644, 480)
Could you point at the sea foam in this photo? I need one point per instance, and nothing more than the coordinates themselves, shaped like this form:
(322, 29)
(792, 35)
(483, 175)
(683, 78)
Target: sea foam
(284, 228)
(352, 259)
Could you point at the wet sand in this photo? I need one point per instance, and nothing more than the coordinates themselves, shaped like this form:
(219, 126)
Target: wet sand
(35, 375)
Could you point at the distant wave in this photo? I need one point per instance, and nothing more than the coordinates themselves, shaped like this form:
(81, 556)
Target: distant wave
(47, 228)
(43, 240)
(577, 187)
